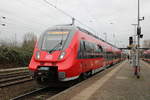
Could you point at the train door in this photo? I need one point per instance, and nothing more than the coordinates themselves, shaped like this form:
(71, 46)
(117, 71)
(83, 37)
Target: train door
(100, 52)
(88, 51)
(82, 55)
(105, 55)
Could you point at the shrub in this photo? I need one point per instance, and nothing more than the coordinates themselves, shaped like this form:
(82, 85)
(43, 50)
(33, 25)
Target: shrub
(18, 56)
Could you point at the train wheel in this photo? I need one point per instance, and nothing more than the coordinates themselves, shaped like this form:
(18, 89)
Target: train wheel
(138, 76)
(86, 75)
(135, 71)
(42, 80)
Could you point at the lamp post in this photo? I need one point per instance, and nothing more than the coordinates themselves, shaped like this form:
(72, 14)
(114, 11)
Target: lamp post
(121, 43)
(114, 39)
(105, 36)
(139, 35)
(137, 65)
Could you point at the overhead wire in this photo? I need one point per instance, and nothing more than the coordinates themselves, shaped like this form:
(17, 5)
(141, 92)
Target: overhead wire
(87, 26)
(62, 11)
(58, 8)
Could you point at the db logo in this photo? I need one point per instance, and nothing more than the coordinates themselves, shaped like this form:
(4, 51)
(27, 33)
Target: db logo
(49, 57)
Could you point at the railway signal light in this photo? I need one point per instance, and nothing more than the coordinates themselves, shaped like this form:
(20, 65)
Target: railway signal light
(138, 30)
(142, 18)
(141, 35)
(3, 17)
(130, 40)
(3, 25)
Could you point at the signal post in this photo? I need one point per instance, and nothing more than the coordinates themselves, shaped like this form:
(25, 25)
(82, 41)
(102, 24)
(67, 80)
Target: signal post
(135, 48)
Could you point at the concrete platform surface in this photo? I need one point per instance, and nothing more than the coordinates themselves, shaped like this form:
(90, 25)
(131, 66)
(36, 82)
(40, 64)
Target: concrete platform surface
(125, 86)
(116, 83)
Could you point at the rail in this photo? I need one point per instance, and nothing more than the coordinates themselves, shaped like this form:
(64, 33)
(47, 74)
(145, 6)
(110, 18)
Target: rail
(14, 76)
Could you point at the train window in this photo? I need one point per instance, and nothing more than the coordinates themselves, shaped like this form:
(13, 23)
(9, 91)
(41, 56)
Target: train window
(91, 45)
(82, 47)
(89, 50)
(94, 48)
(87, 46)
(99, 49)
(109, 55)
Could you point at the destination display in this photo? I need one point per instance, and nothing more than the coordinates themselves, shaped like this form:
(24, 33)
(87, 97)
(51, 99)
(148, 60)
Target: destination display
(56, 32)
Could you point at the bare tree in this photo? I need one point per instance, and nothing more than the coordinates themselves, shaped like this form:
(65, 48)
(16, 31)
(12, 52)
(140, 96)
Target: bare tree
(9, 42)
(3, 43)
(29, 40)
(13, 41)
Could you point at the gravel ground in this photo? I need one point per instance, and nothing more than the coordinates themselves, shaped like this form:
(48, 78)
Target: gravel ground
(9, 92)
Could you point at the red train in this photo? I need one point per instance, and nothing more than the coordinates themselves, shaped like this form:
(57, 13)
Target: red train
(146, 56)
(64, 53)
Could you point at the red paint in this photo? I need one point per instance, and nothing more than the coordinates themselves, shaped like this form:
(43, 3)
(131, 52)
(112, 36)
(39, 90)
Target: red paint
(70, 63)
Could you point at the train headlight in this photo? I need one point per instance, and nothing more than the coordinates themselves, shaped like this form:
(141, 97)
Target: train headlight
(37, 56)
(62, 55)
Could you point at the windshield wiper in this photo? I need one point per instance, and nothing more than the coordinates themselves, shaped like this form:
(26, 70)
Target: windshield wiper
(55, 47)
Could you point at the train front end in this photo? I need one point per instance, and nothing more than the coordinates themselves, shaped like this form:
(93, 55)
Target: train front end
(52, 58)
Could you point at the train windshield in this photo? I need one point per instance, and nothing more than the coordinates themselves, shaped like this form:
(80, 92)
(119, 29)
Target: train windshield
(53, 40)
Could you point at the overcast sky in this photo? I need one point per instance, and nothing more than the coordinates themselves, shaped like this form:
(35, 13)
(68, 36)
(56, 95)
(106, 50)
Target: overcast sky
(113, 17)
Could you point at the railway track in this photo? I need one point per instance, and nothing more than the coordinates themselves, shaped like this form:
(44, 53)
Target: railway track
(14, 76)
(38, 94)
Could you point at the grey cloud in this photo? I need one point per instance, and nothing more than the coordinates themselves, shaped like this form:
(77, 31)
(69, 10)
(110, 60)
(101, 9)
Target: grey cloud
(35, 16)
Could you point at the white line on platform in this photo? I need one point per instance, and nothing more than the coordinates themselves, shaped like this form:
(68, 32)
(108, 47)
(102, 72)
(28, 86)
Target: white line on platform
(86, 93)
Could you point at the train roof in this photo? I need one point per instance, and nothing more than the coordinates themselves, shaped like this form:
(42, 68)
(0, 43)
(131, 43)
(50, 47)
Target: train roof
(107, 44)
(109, 47)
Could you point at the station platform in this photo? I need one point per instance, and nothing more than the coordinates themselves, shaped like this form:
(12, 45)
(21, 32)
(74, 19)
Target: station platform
(118, 84)
(124, 85)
